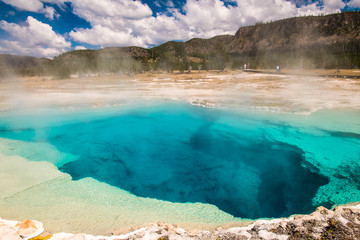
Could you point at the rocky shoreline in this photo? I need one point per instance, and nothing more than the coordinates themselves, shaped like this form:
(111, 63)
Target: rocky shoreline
(342, 222)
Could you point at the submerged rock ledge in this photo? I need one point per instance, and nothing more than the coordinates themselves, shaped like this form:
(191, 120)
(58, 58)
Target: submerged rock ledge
(342, 222)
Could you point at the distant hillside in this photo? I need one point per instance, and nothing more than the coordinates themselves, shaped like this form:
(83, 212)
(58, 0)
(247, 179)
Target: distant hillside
(197, 53)
(331, 41)
(23, 65)
(127, 59)
(294, 33)
(315, 42)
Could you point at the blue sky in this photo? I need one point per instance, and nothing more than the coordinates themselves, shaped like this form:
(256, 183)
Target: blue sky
(46, 28)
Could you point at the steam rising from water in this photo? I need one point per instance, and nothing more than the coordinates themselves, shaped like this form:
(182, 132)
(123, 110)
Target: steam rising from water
(297, 94)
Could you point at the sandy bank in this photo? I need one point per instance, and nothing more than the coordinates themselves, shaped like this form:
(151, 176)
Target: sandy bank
(284, 93)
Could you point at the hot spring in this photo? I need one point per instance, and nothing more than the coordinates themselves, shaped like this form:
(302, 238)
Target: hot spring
(248, 164)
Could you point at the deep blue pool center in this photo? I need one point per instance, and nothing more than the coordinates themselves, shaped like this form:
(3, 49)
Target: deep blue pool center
(181, 153)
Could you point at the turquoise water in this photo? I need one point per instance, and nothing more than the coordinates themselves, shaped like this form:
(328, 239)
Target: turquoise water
(248, 164)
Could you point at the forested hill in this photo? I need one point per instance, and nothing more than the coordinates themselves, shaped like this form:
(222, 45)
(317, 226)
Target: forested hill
(331, 41)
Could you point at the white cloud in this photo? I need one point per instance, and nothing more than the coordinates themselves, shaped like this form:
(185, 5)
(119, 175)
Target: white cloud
(113, 22)
(331, 6)
(144, 30)
(91, 10)
(354, 3)
(33, 38)
(27, 5)
(311, 9)
(11, 13)
(15, 47)
(170, 3)
(206, 15)
(50, 13)
(124, 23)
(100, 35)
(80, 48)
(36, 6)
